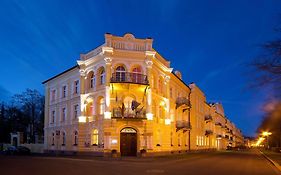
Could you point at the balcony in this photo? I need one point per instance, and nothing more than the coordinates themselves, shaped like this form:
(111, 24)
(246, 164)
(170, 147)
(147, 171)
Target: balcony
(128, 114)
(128, 77)
(185, 125)
(208, 118)
(208, 132)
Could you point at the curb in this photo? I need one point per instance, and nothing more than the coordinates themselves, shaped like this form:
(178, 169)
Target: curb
(272, 161)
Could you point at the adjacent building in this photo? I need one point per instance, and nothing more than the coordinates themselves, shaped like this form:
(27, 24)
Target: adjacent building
(123, 97)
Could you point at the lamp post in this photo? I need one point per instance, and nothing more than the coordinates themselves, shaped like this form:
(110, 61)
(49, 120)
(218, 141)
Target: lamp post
(266, 134)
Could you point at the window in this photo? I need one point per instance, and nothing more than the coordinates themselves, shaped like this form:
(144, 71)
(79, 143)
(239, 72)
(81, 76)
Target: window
(53, 138)
(75, 111)
(120, 74)
(53, 116)
(53, 95)
(63, 114)
(160, 85)
(63, 91)
(95, 137)
(75, 138)
(102, 106)
(171, 92)
(92, 81)
(102, 76)
(63, 139)
(137, 75)
(76, 87)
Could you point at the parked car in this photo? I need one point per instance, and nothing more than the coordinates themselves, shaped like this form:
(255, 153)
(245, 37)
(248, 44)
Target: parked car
(19, 150)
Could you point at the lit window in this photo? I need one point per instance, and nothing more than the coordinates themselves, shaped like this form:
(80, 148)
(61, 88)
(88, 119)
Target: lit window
(95, 137)
(63, 91)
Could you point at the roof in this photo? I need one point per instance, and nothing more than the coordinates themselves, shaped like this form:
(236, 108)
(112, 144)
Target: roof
(76, 66)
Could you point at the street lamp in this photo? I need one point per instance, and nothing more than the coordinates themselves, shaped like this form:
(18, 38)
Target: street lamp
(266, 134)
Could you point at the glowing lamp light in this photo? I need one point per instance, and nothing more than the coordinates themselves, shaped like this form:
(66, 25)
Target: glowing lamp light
(107, 115)
(266, 133)
(167, 121)
(149, 116)
(82, 119)
(114, 141)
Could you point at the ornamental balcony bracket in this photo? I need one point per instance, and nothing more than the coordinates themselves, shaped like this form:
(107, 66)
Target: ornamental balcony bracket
(208, 132)
(218, 124)
(184, 125)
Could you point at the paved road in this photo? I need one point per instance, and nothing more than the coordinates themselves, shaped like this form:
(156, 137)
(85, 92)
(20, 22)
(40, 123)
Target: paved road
(224, 163)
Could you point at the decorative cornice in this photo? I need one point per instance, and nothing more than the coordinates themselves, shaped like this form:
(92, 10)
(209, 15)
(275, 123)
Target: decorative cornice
(107, 49)
(150, 53)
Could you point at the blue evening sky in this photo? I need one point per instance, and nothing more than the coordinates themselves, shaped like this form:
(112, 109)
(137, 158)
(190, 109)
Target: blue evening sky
(210, 42)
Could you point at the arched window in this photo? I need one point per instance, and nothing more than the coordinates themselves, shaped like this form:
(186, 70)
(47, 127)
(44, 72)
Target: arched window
(101, 106)
(63, 139)
(102, 76)
(53, 138)
(75, 138)
(137, 76)
(120, 74)
(92, 81)
(95, 137)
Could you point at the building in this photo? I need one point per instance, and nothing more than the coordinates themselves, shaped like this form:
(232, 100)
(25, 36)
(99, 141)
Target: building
(123, 97)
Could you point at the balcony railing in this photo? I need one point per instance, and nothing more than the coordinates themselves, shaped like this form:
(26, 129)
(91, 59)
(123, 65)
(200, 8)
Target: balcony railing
(127, 113)
(185, 125)
(129, 77)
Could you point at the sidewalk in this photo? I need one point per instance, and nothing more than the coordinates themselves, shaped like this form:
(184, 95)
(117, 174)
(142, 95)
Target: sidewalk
(273, 157)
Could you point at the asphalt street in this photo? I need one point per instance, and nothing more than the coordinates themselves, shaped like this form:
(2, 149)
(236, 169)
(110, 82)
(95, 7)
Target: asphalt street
(224, 163)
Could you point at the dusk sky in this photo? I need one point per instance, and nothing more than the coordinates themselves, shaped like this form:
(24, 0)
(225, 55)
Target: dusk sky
(210, 42)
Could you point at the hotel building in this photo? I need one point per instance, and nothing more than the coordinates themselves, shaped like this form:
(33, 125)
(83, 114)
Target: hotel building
(124, 98)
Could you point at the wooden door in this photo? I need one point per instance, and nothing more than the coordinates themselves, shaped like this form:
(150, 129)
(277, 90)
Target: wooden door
(128, 144)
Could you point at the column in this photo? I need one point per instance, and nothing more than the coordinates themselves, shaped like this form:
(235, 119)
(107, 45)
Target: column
(167, 100)
(149, 63)
(107, 52)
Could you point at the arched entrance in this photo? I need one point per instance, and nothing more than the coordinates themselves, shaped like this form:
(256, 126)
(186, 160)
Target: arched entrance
(128, 142)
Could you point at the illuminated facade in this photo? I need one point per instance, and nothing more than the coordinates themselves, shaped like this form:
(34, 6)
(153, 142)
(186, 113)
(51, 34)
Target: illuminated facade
(124, 98)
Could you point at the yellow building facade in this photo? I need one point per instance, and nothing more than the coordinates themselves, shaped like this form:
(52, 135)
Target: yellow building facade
(123, 98)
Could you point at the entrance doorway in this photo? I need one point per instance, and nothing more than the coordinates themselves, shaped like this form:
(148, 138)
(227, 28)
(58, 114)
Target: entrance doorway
(128, 142)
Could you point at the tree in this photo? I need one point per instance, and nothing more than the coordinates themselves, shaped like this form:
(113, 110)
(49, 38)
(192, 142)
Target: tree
(268, 71)
(268, 65)
(31, 104)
